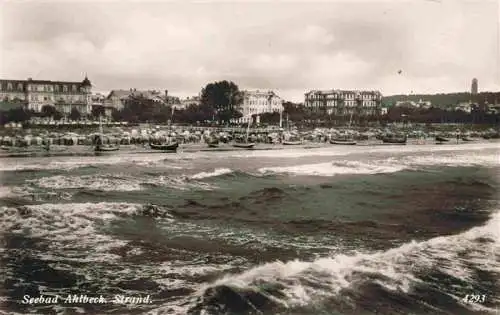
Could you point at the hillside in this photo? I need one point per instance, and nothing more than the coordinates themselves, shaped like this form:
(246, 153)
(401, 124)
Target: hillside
(444, 100)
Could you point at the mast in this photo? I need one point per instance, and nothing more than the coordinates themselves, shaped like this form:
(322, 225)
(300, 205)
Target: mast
(248, 131)
(100, 126)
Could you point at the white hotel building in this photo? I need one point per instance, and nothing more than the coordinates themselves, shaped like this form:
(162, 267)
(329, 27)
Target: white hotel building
(259, 102)
(343, 102)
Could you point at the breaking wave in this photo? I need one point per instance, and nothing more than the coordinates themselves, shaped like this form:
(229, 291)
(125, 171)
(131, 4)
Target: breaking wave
(73, 224)
(216, 172)
(402, 270)
(389, 165)
(120, 182)
(334, 168)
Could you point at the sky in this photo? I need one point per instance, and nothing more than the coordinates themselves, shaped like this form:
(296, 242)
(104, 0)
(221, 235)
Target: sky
(289, 47)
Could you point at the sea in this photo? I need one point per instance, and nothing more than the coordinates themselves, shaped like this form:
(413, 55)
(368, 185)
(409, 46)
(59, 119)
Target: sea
(361, 229)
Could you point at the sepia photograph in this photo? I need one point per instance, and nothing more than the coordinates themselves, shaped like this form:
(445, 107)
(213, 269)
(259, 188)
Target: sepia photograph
(250, 157)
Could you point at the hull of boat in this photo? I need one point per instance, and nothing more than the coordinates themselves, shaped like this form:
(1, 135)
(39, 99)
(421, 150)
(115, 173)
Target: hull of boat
(244, 145)
(213, 145)
(165, 147)
(106, 149)
(441, 139)
(394, 141)
(292, 142)
(342, 142)
(467, 139)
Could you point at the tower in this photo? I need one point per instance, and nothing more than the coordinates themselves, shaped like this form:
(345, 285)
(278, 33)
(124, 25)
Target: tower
(474, 87)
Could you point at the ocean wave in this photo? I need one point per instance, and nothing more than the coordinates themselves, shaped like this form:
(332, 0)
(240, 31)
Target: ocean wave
(72, 162)
(334, 168)
(91, 182)
(117, 182)
(301, 283)
(388, 165)
(75, 225)
(470, 159)
(365, 149)
(216, 172)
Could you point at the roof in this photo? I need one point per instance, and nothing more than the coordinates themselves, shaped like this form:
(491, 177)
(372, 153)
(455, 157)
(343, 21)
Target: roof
(342, 91)
(39, 81)
(127, 93)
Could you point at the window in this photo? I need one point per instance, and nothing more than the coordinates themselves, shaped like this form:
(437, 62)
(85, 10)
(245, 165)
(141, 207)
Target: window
(65, 88)
(20, 86)
(74, 88)
(9, 86)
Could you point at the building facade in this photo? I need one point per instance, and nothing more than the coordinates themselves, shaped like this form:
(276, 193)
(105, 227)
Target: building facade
(259, 102)
(189, 101)
(411, 104)
(34, 94)
(118, 98)
(343, 102)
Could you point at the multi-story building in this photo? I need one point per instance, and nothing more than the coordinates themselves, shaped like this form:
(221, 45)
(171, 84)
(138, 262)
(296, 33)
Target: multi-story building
(118, 97)
(189, 101)
(412, 104)
(342, 102)
(34, 94)
(259, 102)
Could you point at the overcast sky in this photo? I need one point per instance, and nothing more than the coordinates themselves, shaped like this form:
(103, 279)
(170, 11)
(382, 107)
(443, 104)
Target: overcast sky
(290, 47)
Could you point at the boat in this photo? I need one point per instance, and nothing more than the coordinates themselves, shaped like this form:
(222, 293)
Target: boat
(213, 143)
(394, 139)
(106, 148)
(99, 146)
(343, 141)
(165, 147)
(246, 144)
(466, 139)
(292, 142)
(441, 139)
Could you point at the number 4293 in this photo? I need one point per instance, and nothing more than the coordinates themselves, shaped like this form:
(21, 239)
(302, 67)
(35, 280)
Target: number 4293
(474, 298)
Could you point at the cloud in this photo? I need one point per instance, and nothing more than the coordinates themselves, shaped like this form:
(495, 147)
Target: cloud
(286, 46)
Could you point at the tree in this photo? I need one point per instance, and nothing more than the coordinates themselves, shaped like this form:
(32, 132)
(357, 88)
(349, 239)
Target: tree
(18, 114)
(75, 114)
(221, 100)
(97, 111)
(48, 111)
(116, 115)
(142, 109)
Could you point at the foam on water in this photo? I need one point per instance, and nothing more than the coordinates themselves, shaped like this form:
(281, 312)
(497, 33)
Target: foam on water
(389, 165)
(366, 149)
(72, 162)
(69, 226)
(117, 182)
(91, 182)
(397, 269)
(216, 172)
(334, 168)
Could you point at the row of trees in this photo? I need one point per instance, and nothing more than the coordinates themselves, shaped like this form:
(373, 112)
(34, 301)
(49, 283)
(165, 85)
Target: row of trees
(445, 99)
(299, 115)
(21, 114)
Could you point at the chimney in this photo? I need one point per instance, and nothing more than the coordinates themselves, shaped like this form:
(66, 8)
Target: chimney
(166, 93)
